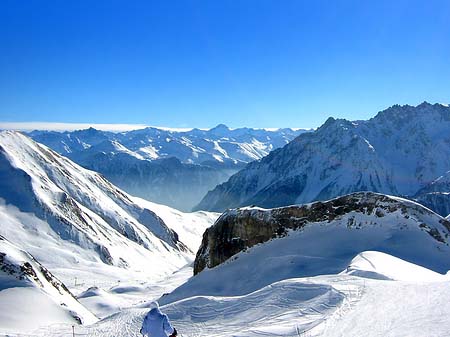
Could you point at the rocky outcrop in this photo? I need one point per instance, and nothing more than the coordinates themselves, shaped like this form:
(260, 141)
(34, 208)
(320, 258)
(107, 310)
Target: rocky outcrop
(242, 228)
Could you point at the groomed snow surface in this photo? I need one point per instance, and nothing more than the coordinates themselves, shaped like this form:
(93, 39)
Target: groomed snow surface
(390, 297)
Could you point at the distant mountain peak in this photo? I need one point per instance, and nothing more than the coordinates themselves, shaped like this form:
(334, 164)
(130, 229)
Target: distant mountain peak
(221, 126)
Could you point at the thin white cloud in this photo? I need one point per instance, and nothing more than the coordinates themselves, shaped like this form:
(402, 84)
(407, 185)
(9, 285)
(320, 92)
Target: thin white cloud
(60, 127)
(30, 126)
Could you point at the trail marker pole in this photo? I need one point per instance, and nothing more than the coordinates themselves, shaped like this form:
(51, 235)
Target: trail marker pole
(73, 330)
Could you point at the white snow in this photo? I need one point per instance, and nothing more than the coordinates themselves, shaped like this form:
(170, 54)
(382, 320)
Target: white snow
(383, 266)
(30, 297)
(26, 308)
(189, 226)
(332, 305)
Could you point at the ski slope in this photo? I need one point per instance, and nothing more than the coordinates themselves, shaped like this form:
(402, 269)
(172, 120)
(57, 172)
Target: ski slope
(325, 305)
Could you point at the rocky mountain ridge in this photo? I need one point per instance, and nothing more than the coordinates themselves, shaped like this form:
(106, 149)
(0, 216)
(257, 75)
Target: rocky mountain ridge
(397, 152)
(46, 199)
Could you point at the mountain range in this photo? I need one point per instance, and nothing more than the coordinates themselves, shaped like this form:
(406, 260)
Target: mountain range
(401, 151)
(168, 167)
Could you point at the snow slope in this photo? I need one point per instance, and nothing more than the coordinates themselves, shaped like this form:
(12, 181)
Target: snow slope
(30, 296)
(189, 226)
(325, 305)
(326, 278)
(74, 221)
(397, 152)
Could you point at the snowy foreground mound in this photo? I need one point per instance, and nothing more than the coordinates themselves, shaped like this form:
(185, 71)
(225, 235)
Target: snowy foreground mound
(382, 266)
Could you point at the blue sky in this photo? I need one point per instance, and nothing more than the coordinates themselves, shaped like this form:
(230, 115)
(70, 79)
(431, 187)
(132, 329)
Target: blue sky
(250, 63)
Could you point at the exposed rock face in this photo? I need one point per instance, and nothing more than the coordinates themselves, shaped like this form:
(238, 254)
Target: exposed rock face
(437, 201)
(242, 228)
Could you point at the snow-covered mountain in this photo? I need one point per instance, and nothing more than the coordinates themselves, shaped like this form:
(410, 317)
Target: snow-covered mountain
(73, 220)
(220, 146)
(436, 195)
(28, 289)
(399, 151)
(168, 167)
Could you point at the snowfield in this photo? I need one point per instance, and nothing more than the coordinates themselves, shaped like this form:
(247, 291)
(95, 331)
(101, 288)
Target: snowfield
(327, 305)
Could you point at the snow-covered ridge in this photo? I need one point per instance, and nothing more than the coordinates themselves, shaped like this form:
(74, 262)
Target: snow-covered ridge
(398, 152)
(237, 230)
(81, 219)
(25, 282)
(65, 189)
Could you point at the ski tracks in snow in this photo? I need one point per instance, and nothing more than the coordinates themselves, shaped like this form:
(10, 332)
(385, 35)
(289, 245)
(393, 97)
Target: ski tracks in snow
(296, 307)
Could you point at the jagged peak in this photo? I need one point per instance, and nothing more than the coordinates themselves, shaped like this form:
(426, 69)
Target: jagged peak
(332, 122)
(424, 104)
(406, 111)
